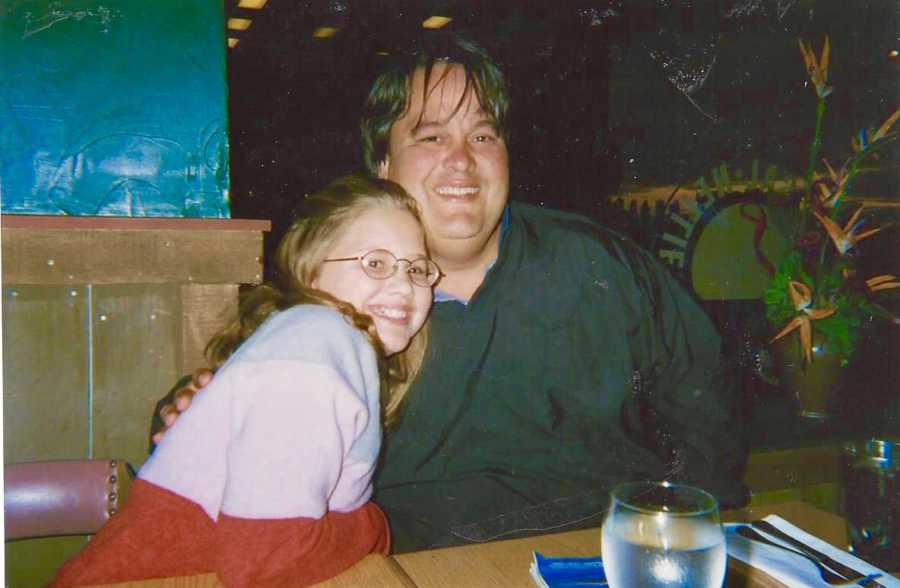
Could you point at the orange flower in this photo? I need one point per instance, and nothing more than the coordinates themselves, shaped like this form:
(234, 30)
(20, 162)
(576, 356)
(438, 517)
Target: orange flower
(847, 237)
(886, 125)
(830, 197)
(801, 296)
(884, 282)
(861, 142)
(817, 68)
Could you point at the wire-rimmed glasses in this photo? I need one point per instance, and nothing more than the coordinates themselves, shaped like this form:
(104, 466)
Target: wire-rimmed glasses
(381, 264)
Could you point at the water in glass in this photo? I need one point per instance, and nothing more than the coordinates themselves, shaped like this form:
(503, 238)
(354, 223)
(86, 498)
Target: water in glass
(663, 535)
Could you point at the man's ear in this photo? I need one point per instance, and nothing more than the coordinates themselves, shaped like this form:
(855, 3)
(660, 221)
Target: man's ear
(384, 167)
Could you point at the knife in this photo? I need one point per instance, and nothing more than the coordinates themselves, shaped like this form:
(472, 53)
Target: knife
(837, 566)
(830, 576)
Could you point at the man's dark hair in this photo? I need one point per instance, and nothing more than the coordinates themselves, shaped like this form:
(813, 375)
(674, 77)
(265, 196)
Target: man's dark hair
(388, 99)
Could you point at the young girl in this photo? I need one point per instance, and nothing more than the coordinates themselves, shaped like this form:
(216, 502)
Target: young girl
(267, 479)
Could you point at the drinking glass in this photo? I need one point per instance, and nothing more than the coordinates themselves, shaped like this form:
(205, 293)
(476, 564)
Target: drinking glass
(659, 534)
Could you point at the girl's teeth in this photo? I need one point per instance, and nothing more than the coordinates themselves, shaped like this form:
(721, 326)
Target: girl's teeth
(391, 313)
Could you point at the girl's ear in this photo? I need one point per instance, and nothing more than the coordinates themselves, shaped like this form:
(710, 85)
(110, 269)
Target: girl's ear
(384, 167)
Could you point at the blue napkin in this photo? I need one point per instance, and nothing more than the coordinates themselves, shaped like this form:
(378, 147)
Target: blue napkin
(566, 572)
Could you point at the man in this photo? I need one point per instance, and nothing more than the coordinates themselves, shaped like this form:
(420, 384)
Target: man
(563, 359)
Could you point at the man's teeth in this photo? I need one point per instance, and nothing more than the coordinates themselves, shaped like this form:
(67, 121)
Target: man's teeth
(393, 313)
(456, 191)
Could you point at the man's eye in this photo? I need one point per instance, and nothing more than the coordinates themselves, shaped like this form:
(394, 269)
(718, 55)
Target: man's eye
(430, 139)
(417, 271)
(375, 263)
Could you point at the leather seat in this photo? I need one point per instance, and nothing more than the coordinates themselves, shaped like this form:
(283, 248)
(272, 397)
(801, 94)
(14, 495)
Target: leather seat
(69, 497)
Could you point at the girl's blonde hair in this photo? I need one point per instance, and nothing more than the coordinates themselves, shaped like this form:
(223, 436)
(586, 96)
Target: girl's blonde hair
(296, 262)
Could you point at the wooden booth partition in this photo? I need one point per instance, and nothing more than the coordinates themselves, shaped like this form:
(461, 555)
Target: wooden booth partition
(101, 316)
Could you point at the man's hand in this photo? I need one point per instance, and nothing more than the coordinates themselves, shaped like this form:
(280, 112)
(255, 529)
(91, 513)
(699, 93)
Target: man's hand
(178, 401)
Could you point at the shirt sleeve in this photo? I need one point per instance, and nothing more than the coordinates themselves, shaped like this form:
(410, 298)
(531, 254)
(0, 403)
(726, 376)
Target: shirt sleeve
(685, 404)
(295, 424)
(156, 534)
(262, 553)
(296, 433)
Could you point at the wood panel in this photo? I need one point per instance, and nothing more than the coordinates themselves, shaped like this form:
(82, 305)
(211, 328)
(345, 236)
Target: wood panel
(131, 223)
(32, 563)
(134, 298)
(824, 496)
(111, 256)
(45, 372)
(137, 342)
(810, 474)
(206, 308)
(788, 468)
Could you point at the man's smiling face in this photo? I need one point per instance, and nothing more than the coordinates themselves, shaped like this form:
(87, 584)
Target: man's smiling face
(449, 155)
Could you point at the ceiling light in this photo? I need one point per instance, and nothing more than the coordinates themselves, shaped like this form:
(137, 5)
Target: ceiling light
(324, 32)
(239, 24)
(254, 4)
(435, 22)
(232, 42)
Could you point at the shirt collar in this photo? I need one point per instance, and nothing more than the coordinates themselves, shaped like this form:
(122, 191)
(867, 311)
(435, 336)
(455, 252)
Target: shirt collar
(440, 296)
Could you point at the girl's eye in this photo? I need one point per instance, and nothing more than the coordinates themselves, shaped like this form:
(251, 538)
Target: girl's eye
(485, 138)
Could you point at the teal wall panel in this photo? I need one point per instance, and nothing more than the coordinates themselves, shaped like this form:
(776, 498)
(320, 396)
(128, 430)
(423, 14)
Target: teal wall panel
(113, 107)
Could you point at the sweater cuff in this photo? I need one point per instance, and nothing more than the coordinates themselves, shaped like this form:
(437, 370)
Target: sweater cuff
(268, 553)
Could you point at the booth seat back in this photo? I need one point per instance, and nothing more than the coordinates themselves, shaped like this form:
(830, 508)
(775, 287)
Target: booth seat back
(68, 497)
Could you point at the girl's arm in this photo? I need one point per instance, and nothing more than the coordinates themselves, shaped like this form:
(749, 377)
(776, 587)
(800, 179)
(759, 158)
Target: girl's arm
(296, 507)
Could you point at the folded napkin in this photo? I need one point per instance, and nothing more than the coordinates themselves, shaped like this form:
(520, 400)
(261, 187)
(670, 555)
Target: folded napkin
(790, 569)
(566, 572)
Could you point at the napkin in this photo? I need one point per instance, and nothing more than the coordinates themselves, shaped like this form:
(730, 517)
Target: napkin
(566, 572)
(791, 569)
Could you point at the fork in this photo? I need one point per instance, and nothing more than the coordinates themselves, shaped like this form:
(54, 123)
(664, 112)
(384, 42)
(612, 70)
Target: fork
(832, 577)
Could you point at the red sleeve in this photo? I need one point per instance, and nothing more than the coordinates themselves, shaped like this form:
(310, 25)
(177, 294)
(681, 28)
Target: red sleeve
(159, 534)
(156, 534)
(275, 553)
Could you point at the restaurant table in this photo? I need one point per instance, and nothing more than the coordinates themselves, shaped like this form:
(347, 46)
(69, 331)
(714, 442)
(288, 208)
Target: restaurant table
(505, 563)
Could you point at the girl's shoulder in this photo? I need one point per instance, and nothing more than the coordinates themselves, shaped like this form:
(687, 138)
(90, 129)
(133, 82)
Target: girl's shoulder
(313, 314)
(307, 331)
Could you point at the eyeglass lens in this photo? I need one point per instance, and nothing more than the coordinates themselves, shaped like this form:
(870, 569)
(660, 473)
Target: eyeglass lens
(381, 264)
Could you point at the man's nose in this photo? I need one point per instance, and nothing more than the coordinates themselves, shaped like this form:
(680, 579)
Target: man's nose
(460, 157)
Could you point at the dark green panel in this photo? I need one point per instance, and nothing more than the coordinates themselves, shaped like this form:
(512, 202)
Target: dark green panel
(31, 563)
(45, 372)
(113, 108)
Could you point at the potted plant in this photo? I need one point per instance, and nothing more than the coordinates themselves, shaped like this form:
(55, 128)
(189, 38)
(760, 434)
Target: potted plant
(817, 301)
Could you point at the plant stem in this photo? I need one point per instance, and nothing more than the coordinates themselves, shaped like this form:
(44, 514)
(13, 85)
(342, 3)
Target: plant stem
(816, 144)
(820, 268)
(813, 156)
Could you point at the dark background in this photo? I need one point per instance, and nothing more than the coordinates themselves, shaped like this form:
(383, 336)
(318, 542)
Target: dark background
(604, 93)
(606, 96)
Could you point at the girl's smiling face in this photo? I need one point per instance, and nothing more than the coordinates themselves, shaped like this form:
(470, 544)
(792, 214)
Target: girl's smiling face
(397, 306)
